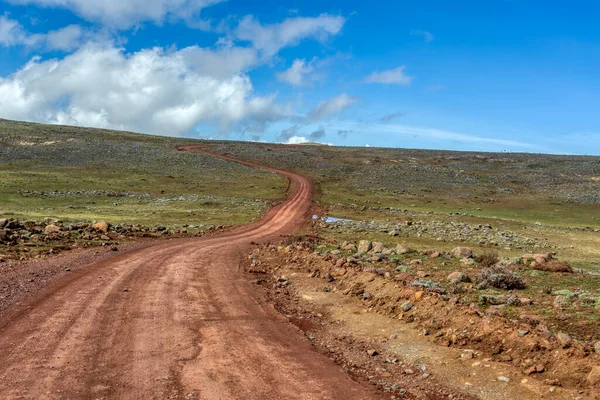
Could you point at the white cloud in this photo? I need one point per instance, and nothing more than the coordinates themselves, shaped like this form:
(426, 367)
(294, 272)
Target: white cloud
(297, 73)
(12, 33)
(393, 76)
(327, 108)
(297, 140)
(427, 36)
(269, 39)
(127, 13)
(151, 91)
(65, 39)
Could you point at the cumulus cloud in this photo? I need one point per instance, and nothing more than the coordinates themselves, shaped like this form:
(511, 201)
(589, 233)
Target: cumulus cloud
(152, 90)
(427, 36)
(297, 140)
(269, 39)
(334, 105)
(12, 33)
(288, 133)
(127, 13)
(297, 73)
(390, 117)
(392, 76)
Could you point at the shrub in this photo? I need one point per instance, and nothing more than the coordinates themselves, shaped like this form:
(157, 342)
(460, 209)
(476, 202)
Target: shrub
(500, 278)
(487, 259)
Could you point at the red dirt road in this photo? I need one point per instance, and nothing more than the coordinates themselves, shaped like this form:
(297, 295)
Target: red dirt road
(174, 320)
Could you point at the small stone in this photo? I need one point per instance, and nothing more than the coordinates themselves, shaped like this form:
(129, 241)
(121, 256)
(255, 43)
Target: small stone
(51, 229)
(503, 379)
(593, 377)
(366, 296)
(564, 339)
(535, 369)
(467, 355)
(407, 306)
(522, 332)
(597, 347)
(372, 352)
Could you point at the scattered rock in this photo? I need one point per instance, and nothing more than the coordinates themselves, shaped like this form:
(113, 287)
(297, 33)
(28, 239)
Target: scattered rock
(402, 249)
(378, 247)
(51, 229)
(458, 277)
(101, 226)
(364, 246)
(467, 355)
(462, 252)
(564, 339)
(503, 379)
(372, 352)
(407, 306)
(535, 369)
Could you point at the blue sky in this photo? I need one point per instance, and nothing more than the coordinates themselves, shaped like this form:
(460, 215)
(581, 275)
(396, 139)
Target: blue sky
(505, 75)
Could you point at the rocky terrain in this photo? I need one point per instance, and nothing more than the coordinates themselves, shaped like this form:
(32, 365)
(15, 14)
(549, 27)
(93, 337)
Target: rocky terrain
(491, 309)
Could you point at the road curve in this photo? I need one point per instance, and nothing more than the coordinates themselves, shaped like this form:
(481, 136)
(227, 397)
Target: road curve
(175, 320)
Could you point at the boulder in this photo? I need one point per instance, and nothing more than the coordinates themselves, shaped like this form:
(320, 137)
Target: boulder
(51, 229)
(462, 252)
(364, 246)
(378, 247)
(458, 277)
(348, 246)
(402, 249)
(101, 226)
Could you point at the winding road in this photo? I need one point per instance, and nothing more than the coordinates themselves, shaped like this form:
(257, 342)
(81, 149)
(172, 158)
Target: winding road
(177, 320)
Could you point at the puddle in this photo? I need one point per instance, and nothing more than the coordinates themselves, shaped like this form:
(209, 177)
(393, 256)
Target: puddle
(330, 220)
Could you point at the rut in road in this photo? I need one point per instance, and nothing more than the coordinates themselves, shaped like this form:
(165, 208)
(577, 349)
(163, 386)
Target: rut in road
(175, 320)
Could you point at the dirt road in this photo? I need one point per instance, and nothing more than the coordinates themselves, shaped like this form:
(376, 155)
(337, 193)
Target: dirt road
(175, 320)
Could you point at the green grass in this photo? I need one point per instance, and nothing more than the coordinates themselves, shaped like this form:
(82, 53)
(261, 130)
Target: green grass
(78, 174)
